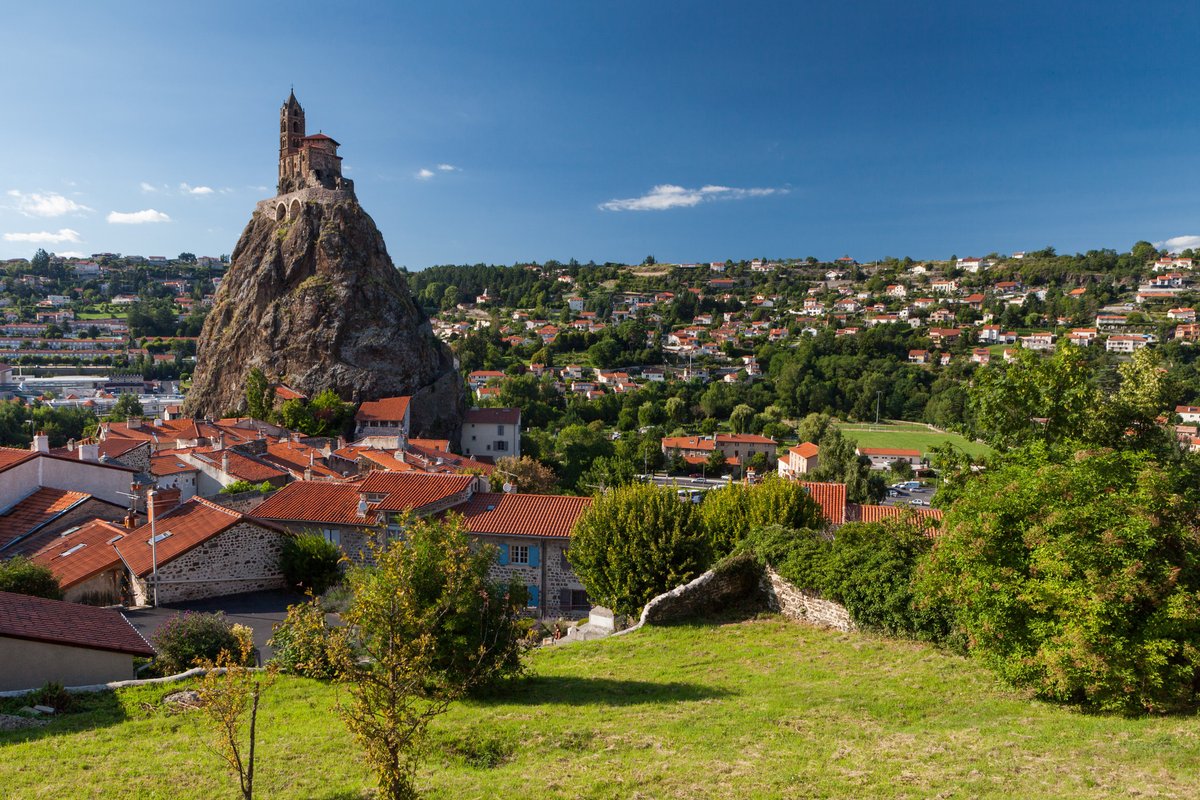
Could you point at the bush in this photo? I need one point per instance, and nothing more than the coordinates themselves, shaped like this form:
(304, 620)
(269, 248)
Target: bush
(301, 642)
(1078, 579)
(22, 576)
(729, 513)
(190, 638)
(797, 555)
(870, 568)
(310, 562)
(53, 694)
(635, 542)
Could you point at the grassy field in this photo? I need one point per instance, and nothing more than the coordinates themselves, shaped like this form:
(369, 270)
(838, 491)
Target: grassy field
(760, 708)
(909, 435)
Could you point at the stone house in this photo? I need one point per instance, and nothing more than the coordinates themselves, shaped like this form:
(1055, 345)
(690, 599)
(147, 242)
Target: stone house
(88, 569)
(201, 550)
(50, 640)
(532, 535)
(531, 532)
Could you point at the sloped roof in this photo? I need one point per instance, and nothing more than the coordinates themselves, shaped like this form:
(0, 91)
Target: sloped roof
(831, 497)
(81, 553)
(313, 501)
(240, 466)
(387, 409)
(404, 491)
(56, 622)
(492, 416)
(35, 510)
(11, 456)
(187, 526)
(522, 514)
(806, 450)
(930, 518)
(889, 451)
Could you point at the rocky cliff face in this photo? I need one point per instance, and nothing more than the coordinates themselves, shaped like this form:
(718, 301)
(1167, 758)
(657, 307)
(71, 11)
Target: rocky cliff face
(314, 301)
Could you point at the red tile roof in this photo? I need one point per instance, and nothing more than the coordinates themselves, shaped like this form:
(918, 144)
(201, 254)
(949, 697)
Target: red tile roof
(806, 450)
(11, 456)
(56, 622)
(81, 553)
(522, 514)
(188, 526)
(831, 497)
(314, 501)
(240, 466)
(493, 416)
(404, 491)
(36, 510)
(387, 409)
(169, 465)
(929, 517)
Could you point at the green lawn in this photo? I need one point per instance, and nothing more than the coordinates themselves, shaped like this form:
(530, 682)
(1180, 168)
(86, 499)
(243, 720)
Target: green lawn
(909, 435)
(756, 709)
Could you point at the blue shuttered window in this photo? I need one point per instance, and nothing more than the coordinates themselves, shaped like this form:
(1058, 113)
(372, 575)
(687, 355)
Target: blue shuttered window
(535, 555)
(503, 556)
(533, 597)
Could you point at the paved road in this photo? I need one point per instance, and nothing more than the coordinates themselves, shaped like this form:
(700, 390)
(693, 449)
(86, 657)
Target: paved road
(259, 611)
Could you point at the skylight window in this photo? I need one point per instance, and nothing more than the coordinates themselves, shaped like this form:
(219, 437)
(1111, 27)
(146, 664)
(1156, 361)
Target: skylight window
(160, 537)
(74, 549)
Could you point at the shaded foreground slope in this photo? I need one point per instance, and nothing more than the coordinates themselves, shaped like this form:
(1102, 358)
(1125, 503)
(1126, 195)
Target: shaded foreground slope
(762, 708)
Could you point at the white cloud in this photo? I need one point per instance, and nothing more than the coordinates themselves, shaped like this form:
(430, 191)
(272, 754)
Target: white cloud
(148, 188)
(197, 190)
(45, 205)
(448, 168)
(424, 174)
(44, 237)
(69, 254)
(137, 217)
(1177, 244)
(668, 195)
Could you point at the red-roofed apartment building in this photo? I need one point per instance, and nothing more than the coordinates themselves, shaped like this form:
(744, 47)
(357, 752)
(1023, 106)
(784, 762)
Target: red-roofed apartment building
(737, 447)
(49, 640)
(491, 433)
(531, 532)
(801, 460)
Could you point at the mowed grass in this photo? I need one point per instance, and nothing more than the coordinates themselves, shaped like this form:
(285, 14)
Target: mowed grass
(909, 436)
(760, 708)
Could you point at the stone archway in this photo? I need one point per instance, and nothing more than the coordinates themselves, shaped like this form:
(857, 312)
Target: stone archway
(294, 211)
(280, 213)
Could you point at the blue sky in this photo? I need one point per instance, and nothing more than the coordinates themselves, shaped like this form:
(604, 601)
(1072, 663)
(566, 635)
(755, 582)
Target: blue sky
(498, 132)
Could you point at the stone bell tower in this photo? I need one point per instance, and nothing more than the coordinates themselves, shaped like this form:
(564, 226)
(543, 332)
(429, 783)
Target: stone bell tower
(291, 135)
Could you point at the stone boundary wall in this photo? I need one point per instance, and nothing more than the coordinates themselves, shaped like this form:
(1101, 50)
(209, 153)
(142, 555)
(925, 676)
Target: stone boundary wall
(743, 580)
(802, 605)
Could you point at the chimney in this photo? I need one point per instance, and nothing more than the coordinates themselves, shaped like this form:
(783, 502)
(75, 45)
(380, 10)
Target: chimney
(89, 451)
(134, 423)
(297, 436)
(41, 443)
(361, 512)
(341, 443)
(225, 462)
(151, 503)
(308, 474)
(130, 520)
(219, 444)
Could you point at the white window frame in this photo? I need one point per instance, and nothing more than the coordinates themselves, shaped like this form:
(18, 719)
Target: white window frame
(518, 554)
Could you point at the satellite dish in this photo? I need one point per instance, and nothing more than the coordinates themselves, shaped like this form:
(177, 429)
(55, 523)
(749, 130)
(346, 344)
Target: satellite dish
(508, 487)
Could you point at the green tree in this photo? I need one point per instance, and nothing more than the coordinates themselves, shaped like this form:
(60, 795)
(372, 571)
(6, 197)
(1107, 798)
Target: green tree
(425, 625)
(259, 403)
(636, 542)
(607, 473)
(729, 513)
(677, 410)
(740, 418)
(40, 263)
(127, 405)
(1080, 579)
(22, 576)
(841, 463)
(524, 474)
(310, 562)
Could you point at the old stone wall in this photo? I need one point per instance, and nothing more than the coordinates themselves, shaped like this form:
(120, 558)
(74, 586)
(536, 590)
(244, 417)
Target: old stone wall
(244, 502)
(138, 458)
(551, 577)
(732, 582)
(802, 605)
(244, 558)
